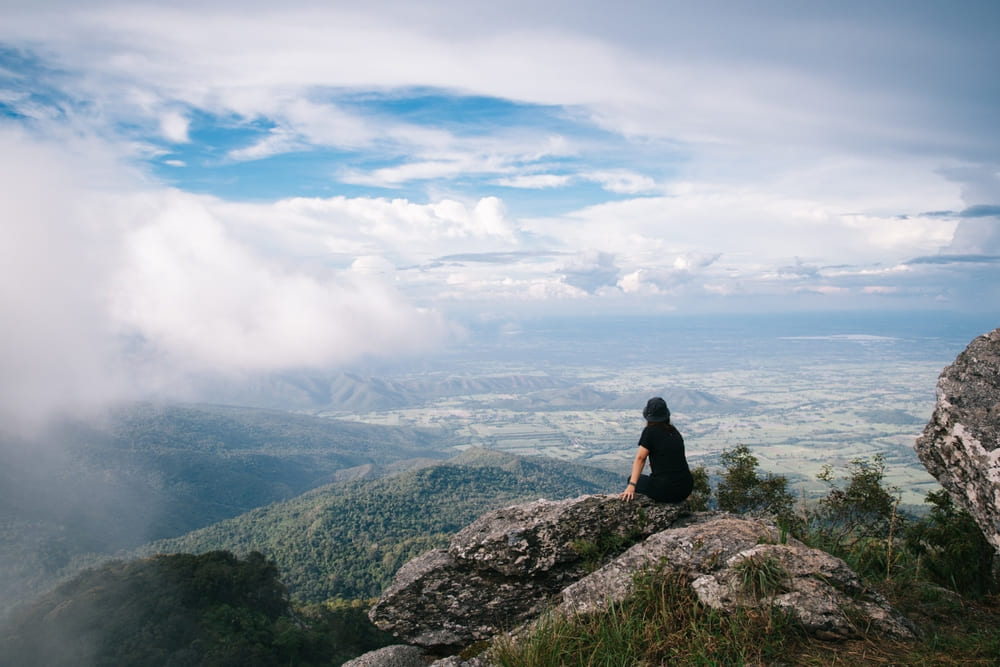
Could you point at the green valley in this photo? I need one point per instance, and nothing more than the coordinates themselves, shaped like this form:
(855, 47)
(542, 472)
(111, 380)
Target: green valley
(84, 490)
(347, 540)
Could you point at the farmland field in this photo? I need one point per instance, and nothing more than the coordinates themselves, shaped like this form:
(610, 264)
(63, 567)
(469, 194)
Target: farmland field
(800, 398)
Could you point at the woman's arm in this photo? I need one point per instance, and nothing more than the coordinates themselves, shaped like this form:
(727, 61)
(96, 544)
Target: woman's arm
(633, 479)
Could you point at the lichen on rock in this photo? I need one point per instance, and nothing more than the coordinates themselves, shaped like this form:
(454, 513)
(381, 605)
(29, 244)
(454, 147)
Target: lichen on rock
(960, 446)
(815, 589)
(507, 566)
(513, 565)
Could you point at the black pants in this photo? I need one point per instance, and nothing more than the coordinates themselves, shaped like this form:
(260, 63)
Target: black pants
(666, 488)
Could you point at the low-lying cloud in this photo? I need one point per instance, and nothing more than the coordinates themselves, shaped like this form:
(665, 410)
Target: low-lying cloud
(114, 290)
(591, 270)
(188, 290)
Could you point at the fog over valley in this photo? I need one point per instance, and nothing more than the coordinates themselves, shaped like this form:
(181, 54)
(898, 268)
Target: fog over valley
(801, 391)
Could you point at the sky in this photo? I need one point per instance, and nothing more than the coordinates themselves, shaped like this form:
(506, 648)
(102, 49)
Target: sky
(207, 187)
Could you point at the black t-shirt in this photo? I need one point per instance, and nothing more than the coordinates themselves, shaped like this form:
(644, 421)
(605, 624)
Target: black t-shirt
(671, 479)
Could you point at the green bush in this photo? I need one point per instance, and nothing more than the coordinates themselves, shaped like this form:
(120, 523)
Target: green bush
(742, 491)
(701, 496)
(858, 520)
(952, 550)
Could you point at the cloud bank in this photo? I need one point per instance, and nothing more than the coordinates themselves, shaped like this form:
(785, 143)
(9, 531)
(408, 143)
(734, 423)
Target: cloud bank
(224, 187)
(114, 294)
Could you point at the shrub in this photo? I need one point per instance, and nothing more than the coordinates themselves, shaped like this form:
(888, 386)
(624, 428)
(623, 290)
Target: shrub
(859, 520)
(701, 495)
(741, 490)
(951, 549)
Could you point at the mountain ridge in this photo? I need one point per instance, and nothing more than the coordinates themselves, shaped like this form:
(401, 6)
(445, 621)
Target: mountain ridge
(87, 488)
(346, 540)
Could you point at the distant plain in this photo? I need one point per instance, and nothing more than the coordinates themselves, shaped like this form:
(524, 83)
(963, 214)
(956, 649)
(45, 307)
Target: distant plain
(801, 392)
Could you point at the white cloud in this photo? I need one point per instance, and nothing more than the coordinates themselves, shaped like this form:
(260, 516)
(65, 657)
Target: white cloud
(758, 150)
(327, 124)
(745, 226)
(110, 294)
(56, 346)
(369, 265)
(547, 289)
(302, 124)
(976, 236)
(414, 232)
(828, 290)
(895, 235)
(622, 181)
(636, 283)
(350, 233)
(889, 271)
(462, 286)
(535, 181)
(413, 171)
(435, 155)
(278, 140)
(590, 270)
(793, 83)
(668, 277)
(695, 261)
(194, 293)
(174, 127)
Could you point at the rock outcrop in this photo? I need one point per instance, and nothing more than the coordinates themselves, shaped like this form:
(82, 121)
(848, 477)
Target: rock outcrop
(575, 556)
(960, 445)
(398, 655)
(718, 556)
(506, 567)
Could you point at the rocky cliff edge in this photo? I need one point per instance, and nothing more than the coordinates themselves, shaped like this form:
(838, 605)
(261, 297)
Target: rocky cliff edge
(960, 445)
(575, 556)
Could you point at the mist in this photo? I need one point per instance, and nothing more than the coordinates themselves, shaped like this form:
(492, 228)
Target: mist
(121, 293)
(118, 290)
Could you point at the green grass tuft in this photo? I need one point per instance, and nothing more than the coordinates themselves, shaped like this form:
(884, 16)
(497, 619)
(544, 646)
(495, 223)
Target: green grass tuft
(663, 623)
(761, 576)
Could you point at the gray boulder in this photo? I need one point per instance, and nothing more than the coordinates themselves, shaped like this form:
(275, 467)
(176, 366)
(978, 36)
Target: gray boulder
(455, 661)
(399, 655)
(715, 555)
(506, 567)
(960, 445)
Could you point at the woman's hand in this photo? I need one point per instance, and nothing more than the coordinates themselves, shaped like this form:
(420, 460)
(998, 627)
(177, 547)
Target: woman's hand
(637, 466)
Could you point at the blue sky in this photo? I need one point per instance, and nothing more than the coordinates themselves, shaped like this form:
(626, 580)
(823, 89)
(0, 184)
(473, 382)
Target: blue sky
(246, 186)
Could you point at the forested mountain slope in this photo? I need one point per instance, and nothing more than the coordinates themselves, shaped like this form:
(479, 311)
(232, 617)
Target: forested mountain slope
(347, 540)
(211, 609)
(344, 540)
(144, 472)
